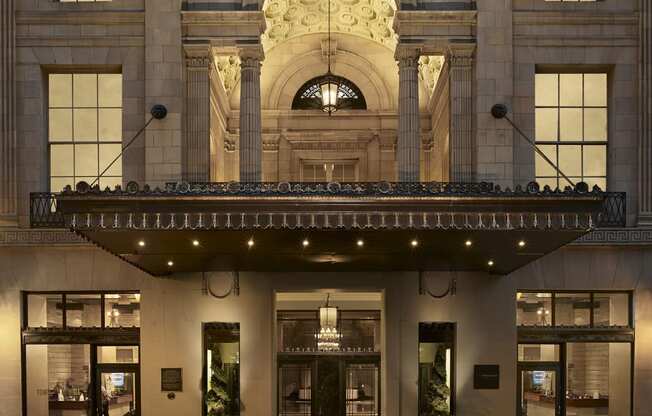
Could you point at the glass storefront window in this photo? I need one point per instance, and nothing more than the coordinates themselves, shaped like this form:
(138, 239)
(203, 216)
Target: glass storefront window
(436, 368)
(222, 363)
(83, 311)
(45, 310)
(362, 389)
(58, 380)
(122, 310)
(538, 352)
(610, 309)
(572, 309)
(117, 354)
(533, 309)
(598, 379)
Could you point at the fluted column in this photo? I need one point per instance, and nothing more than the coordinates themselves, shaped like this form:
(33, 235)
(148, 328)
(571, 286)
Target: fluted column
(645, 120)
(196, 148)
(250, 119)
(7, 114)
(462, 135)
(407, 148)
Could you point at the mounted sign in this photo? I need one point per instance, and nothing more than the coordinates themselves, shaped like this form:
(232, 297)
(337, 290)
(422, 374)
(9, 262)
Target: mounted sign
(171, 379)
(486, 377)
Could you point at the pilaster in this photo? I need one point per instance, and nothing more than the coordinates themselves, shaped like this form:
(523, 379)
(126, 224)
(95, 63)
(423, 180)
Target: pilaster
(7, 114)
(407, 149)
(645, 118)
(462, 134)
(250, 115)
(196, 144)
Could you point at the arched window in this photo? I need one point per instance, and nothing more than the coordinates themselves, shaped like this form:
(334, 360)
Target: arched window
(309, 96)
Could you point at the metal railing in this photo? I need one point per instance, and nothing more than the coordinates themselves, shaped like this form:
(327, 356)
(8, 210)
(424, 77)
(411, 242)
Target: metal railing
(44, 213)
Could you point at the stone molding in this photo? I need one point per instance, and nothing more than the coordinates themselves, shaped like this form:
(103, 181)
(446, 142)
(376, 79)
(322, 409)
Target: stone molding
(80, 17)
(645, 115)
(8, 143)
(617, 237)
(28, 237)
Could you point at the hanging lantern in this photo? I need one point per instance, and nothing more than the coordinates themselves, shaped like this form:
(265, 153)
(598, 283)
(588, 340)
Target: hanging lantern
(328, 338)
(329, 93)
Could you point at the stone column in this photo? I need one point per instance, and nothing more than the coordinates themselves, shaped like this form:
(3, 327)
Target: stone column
(196, 147)
(7, 114)
(462, 135)
(250, 119)
(645, 120)
(407, 147)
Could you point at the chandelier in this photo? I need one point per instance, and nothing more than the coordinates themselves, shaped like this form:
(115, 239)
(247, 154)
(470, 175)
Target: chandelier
(328, 338)
(329, 84)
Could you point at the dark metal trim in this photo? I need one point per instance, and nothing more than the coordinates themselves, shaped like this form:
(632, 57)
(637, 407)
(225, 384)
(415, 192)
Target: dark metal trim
(100, 336)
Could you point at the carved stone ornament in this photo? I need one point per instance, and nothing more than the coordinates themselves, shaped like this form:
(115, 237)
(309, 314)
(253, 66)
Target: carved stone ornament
(370, 19)
(229, 69)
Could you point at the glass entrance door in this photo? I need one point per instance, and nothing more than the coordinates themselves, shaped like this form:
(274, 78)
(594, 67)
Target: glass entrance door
(118, 390)
(538, 390)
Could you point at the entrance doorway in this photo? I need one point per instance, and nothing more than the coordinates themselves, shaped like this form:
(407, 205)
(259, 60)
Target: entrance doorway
(329, 354)
(539, 387)
(118, 390)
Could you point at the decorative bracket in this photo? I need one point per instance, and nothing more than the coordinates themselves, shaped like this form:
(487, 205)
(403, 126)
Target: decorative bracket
(233, 290)
(450, 290)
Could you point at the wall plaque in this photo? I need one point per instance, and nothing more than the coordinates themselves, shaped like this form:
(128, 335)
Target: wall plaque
(171, 379)
(486, 377)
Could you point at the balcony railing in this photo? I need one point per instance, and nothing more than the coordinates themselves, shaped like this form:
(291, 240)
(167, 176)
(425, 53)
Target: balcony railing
(44, 213)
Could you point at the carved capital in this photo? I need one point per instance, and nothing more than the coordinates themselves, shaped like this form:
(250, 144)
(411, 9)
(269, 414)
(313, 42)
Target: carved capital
(461, 55)
(407, 57)
(251, 54)
(197, 56)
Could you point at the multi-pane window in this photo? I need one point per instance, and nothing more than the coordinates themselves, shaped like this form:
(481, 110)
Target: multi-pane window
(574, 309)
(571, 128)
(340, 171)
(85, 128)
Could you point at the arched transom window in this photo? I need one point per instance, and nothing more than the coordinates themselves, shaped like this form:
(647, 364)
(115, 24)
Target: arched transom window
(309, 96)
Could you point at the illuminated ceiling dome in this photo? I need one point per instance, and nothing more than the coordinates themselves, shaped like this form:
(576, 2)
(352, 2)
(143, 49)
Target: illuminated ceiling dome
(371, 19)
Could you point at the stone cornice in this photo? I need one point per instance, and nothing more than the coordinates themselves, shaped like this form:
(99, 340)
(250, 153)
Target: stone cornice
(635, 236)
(80, 17)
(579, 18)
(226, 28)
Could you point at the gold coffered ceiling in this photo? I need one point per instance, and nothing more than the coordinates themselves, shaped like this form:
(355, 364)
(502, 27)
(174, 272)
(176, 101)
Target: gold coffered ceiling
(371, 19)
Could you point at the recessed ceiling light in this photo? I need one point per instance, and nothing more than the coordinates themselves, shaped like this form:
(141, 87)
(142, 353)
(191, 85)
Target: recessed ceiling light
(195, 243)
(490, 263)
(468, 243)
(141, 243)
(521, 243)
(414, 242)
(360, 242)
(250, 242)
(305, 242)
(170, 263)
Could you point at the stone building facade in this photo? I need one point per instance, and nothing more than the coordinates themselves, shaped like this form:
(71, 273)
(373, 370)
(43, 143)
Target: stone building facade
(228, 73)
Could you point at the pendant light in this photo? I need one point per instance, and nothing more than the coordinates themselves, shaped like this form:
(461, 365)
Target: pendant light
(328, 338)
(329, 84)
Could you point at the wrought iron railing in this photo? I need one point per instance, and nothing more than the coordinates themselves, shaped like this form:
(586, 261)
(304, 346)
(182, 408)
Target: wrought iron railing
(44, 213)
(614, 210)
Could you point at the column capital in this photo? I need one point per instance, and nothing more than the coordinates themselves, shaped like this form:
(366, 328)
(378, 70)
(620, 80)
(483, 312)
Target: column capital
(197, 56)
(250, 55)
(407, 56)
(460, 54)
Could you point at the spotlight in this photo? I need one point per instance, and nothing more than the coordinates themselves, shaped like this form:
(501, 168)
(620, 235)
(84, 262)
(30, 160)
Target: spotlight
(195, 243)
(468, 243)
(170, 263)
(305, 242)
(490, 263)
(250, 242)
(141, 243)
(360, 243)
(521, 243)
(414, 242)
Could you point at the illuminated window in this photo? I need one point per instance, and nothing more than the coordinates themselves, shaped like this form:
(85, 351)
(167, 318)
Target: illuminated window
(309, 97)
(571, 1)
(326, 171)
(571, 128)
(83, 1)
(85, 128)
